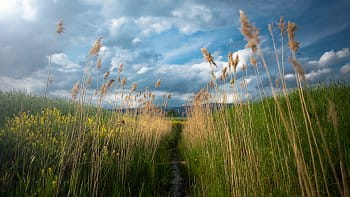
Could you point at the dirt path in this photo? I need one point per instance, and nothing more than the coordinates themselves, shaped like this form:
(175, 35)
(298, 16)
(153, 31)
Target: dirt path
(177, 182)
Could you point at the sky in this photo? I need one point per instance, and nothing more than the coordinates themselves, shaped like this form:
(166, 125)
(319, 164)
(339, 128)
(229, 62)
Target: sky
(162, 40)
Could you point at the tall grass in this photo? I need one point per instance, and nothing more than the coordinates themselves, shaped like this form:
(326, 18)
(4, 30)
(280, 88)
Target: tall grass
(74, 148)
(294, 143)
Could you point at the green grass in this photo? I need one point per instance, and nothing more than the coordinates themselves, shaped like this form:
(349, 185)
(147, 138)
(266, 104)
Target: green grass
(263, 162)
(54, 147)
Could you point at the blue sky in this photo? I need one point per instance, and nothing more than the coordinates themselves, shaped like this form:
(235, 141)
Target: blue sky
(161, 39)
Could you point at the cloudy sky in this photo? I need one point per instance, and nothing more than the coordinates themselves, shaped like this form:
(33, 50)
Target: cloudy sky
(162, 39)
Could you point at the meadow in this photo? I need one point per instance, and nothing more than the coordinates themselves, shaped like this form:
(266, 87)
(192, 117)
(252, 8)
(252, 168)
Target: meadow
(286, 142)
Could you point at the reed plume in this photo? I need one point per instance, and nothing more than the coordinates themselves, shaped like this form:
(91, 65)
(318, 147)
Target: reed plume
(96, 47)
(208, 57)
(110, 83)
(157, 84)
(106, 75)
(60, 27)
(250, 32)
(133, 87)
(293, 44)
(120, 68)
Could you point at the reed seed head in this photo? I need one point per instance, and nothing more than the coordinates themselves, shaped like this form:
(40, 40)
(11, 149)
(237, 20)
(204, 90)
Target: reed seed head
(282, 25)
(96, 47)
(103, 90)
(253, 61)
(157, 84)
(208, 57)
(249, 31)
(106, 75)
(133, 87)
(110, 83)
(60, 27)
(293, 44)
(120, 68)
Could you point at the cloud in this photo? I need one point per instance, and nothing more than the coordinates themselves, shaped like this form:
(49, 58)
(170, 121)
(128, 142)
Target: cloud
(149, 24)
(315, 75)
(143, 70)
(28, 84)
(329, 58)
(66, 65)
(345, 69)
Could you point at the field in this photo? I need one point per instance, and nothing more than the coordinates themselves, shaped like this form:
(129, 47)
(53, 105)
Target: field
(285, 142)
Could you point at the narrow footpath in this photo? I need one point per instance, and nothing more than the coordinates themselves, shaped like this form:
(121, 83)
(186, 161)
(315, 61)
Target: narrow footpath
(177, 182)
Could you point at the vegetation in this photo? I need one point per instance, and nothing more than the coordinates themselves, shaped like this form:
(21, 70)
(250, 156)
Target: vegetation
(293, 143)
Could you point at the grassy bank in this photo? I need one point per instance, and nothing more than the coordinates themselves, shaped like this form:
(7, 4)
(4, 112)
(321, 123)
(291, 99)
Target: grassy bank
(245, 149)
(65, 150)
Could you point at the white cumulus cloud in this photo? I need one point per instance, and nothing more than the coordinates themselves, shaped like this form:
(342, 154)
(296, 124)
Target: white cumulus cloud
(331, 57)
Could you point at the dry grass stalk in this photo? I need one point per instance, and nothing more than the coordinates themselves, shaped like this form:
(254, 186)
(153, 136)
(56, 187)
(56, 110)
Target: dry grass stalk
(133, 87)
(120, 68)
(332, 113)
(208, 57)
(213, 75)
(99, 63)
(298, 68)
(232, 83)
(202, 96)
(244, 67)
(89, 81)
(75, 90)
(96, 47)
(50, 79)
(224, 73)
(103, 90)
(60, 27)
(250, 32)
(123, 81)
